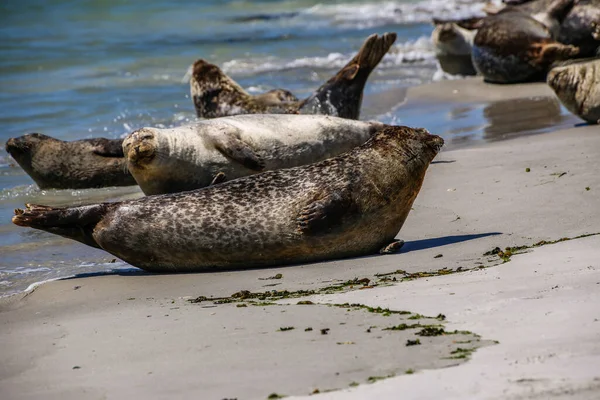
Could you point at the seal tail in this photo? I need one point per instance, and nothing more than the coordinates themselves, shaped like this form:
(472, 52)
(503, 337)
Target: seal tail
(75, 223)
(210, 86)
(342, 94)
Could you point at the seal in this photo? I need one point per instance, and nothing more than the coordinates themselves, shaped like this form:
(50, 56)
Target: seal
(581, 28)
(346, 206)
(577, 85)
(80, 164)
(211, 151)
(513, 46)
(453, 41)
(216, 95)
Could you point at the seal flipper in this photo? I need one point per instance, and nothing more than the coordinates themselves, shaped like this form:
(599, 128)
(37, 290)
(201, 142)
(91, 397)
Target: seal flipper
(323, 214)
(107, 147)
(77, 223)
(239, 151)
(342, 95)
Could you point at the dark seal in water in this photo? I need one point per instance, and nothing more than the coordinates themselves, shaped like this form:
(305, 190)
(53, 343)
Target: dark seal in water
(81, 164)
(216, 95)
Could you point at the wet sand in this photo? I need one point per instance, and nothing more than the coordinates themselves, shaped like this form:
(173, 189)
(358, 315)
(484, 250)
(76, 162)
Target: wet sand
(138, 335)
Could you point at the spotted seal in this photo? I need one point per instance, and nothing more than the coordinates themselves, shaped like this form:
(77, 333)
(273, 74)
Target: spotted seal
(210, 151)
(577, 85)
(216, 95)
(514, 46)
(80, 164)
(346, 206)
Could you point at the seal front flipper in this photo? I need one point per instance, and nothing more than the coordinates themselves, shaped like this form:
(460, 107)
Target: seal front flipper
(107, 147)
(77, 223)
(324, 213)
(342, 95)
(236, 149)
(393, 247)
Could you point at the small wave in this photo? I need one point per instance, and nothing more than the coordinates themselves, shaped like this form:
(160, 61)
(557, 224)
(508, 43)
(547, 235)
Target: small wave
(392, 12)
(402, 53)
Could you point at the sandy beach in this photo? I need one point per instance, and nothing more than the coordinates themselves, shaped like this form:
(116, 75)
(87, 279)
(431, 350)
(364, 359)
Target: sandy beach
(516, 324)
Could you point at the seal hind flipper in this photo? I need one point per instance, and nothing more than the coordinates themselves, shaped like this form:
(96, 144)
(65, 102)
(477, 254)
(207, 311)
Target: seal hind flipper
(236, 149)
(342, 94)
(323, 214)
(75, 223)
(107, 147)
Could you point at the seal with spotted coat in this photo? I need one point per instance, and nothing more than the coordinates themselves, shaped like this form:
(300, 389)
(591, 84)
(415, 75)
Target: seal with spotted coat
(216, 95)
(346, 206)
(211, 151)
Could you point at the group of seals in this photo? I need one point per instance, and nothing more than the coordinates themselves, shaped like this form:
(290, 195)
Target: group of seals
(216, 95)
(520, 41)
(350, 205)
(81, 164)
(100, 162)
(211, 151)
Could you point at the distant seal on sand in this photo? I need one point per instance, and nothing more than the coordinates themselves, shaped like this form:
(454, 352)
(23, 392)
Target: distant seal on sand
(346, 206)
(577, 85)
(513, 46)
(81, 164)
(216, 95)
(453, 42)
(211, 151)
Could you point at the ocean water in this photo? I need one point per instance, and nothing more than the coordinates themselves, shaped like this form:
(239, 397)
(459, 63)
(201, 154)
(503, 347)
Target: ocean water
(88, 68)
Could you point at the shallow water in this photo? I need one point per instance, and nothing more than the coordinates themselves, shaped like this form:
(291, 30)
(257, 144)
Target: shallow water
(85, 68)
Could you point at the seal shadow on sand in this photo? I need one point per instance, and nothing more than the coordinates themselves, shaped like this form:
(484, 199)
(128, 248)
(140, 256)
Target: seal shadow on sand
(414, 245)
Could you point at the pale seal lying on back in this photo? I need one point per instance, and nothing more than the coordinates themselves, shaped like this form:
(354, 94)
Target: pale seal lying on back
(210, 151)
(350, 205)
(216, 95)
(88, 163)
(577, 85)
(513, 46)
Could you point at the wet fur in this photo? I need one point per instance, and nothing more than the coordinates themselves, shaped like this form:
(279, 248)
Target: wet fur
(216, 95)
(345, 206)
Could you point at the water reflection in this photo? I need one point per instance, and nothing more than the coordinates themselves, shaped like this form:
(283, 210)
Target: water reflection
(519, 117)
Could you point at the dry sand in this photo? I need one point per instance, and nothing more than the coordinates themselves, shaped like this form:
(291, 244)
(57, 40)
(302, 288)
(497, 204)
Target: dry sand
(137, 335)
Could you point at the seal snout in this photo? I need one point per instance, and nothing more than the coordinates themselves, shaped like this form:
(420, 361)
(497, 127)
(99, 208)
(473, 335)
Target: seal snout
(140, 147)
